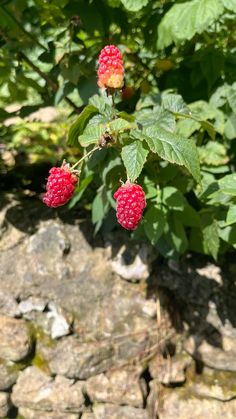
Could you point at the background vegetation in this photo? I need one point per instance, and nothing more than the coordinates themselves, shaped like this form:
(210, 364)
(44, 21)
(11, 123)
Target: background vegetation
(180, 88)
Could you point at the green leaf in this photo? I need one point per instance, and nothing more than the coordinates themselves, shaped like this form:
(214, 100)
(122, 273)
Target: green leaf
(134, 5)
(175, 103)
(186, 19)
(213, 154)
(211, 241)
(227, 184)
(231, 96)
(78, 127)
(230, 127)
(154, 221)
(91, 135)
(228, 234)
(119, 124)
(177, 234)
(100, 207)
(173, 148)
(80, 190)
(134, 156)
(231, 215)
(230, 4)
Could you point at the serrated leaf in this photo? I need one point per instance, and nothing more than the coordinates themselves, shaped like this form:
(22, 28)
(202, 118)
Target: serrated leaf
(119, 124)
(227, 184)
(211, 241)
(213, 154)
(186, 19)
(230, 127)
(154, 221)
(173, 148)
(78, 127)
(134, 156)
(175, 103)
(230, 4)
(134, 5)
(91, 135)
(231, 96)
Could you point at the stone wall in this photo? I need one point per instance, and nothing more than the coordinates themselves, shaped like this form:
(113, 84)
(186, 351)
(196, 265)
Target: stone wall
(98, 328)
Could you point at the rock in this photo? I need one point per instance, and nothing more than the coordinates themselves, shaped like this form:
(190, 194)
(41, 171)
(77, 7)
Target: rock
(8, 376)
(214, 384)
(219, 355)
(59, 325)
(8, 305)
(150, 308)
(4, 404)
(178, 405)
(170, 370)
(135, 271)
(32, 304)
(118, 387)
(80, 360)
(87, 415)
(102, 411)
(41, 414)
(47, 247)
(153, 399)
(15, 339)
(36, 390)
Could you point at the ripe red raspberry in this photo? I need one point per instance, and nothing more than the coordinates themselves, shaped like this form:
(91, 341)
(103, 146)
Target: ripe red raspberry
(60, 186)
(130, 205)
(111, 69)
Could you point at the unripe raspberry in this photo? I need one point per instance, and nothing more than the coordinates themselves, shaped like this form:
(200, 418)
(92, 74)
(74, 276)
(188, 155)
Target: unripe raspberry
(60, 186)
(111, 69)
(130, 205)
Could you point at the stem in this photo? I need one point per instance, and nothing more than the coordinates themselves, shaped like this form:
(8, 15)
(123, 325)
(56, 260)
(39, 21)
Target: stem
(84, 157)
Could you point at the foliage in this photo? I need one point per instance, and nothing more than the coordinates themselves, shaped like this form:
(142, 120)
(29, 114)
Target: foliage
(173, 126)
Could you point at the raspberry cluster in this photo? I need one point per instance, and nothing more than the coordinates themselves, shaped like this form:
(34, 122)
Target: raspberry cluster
(111, 69)
(130, 205)
(60, 186)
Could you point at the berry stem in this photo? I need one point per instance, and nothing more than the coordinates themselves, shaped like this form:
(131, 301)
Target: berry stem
(84, 157)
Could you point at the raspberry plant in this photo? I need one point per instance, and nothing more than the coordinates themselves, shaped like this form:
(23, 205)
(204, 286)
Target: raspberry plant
(166, 123)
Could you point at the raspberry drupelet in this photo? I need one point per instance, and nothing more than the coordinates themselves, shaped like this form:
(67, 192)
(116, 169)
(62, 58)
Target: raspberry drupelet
(111, 68)
(130, 205)
(60, 186)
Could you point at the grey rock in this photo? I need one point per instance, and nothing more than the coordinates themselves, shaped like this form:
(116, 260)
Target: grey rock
(88, 415)
(15, 339)
(41, 414)
(178, 405)
(74, 359)
(214, 384)
(36, 390)
(220, 356)
(8, 305)
(8, 376)
(60, 326)
(102, 411)
(32, 304)
(170, 370)
(153, 399)
(118, 387)
(4, 404)
(135, 271)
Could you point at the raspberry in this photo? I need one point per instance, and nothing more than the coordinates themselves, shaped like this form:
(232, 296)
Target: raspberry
(130, 205)
(111, 69)
(60, 186)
